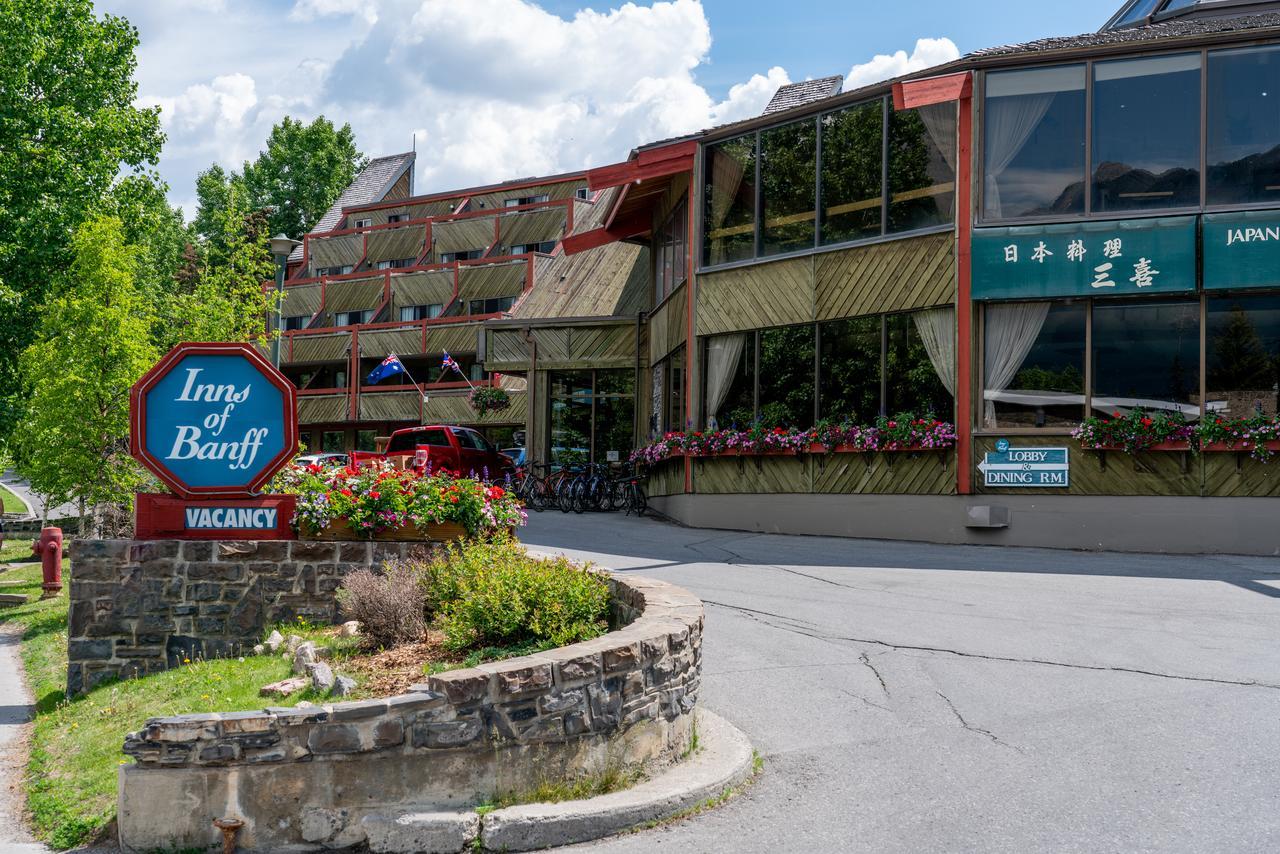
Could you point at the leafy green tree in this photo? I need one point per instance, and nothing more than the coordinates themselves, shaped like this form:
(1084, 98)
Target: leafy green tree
(94, 342)
(303, 170)
(228, 301)
(68, 125)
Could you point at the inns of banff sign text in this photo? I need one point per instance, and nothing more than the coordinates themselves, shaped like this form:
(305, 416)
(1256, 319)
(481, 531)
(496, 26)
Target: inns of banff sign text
(214, 422)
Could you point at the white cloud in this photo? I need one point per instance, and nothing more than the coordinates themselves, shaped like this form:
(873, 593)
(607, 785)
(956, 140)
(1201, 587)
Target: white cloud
(927, 54)
(224, 101)
(308, 10)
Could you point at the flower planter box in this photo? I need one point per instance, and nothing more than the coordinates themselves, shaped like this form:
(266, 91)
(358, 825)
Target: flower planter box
(1158, 446)
(1242, 447)
(340, 529)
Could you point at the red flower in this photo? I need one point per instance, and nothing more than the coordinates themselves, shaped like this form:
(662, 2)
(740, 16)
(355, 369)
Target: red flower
(454, 499)
(778, 431)
(1115, 414)
(496, 492)
(346, 492)
(375, 494)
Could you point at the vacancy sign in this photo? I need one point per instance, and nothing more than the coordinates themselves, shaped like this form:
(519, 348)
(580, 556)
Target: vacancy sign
(1026, 467)
(214, 422)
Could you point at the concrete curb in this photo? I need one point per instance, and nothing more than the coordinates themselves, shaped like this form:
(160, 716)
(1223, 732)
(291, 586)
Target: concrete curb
(724, 760)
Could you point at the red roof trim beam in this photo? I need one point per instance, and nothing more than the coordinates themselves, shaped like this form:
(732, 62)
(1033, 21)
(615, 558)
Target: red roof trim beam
(652, 163)
(932, 90)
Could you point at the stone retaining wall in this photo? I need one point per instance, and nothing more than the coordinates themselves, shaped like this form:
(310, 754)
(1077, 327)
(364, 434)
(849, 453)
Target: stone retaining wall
(322, 777)
(140, 607)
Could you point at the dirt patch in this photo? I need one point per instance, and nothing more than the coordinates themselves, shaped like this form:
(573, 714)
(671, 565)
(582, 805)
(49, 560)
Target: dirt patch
(392, 671)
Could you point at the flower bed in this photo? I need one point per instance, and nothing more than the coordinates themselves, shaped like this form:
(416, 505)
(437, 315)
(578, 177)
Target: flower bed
(377, 499)
(1258, 435)
(904, 432)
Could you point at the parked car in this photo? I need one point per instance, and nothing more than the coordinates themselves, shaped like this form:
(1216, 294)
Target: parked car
(325, 460)
(440, 446)
(516, 455)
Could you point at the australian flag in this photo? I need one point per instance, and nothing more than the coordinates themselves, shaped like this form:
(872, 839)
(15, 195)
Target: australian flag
(389, 367)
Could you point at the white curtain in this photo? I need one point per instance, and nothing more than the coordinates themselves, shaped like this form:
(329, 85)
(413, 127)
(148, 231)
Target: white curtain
(724, 352)
(659, 398)
(1010, 123)
(937, 328)
(1010, 331)
(940, 121)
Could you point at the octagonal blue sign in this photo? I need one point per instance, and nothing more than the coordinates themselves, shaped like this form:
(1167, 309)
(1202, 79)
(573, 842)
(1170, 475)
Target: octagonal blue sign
(214, 420)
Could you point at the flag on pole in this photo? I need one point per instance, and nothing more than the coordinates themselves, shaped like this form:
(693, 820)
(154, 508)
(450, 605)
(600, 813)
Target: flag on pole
(449, 363)
(390, 366)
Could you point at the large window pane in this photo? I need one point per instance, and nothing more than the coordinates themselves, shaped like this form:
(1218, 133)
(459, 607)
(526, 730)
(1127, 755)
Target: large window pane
(1033, 364)
(911, 378)
(786, 377)
(788, 185)
(922, 167)
(570, 417)
(1146, 355)
(729, 381)
(615, 414)
(675, 419)
(1244, 126)
(1146, 133)
(1243, 355)
(852, 167)
(730, 195)
(850, 370)
(1033, 143)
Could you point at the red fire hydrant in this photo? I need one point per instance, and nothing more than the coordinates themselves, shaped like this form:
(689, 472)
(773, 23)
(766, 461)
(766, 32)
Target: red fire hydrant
(49, 548)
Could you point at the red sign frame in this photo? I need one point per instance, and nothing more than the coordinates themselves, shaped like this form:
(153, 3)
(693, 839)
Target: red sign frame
(138, 423)
(163, 517)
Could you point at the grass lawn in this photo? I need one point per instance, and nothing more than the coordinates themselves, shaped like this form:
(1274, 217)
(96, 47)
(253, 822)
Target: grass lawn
(11, 502)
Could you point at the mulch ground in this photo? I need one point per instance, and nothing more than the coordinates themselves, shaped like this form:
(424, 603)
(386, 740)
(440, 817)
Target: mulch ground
(392, 671)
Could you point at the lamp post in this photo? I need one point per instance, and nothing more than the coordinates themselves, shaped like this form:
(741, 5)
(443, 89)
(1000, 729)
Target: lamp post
(281, 246)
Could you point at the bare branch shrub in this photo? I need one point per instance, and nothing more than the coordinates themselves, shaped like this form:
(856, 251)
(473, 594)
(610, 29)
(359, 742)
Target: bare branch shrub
(389, 606)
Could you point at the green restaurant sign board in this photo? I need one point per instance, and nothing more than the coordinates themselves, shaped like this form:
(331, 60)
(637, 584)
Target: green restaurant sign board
(1095, 258)
(1241, 250)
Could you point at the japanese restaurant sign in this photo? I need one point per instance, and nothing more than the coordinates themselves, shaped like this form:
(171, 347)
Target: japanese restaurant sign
(1241, 250)
(214, 422)
(1096, 258)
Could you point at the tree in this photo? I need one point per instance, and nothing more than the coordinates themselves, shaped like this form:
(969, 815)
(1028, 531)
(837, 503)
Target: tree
(228, 301)
(94, 342)
(295, 180)
(302, 172)
(68, 124)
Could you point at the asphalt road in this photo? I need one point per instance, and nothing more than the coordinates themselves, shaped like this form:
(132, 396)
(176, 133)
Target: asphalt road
(912, 698)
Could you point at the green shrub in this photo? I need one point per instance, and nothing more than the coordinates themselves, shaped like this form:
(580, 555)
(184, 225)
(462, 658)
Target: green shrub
(494, 594)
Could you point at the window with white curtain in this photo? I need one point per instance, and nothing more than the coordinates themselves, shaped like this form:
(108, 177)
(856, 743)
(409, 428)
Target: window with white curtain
(1033, 365)
(1033, 142)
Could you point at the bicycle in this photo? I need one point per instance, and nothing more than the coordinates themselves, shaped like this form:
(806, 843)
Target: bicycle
(626, 492)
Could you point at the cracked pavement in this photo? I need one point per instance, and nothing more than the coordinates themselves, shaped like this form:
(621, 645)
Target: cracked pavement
(910, 697)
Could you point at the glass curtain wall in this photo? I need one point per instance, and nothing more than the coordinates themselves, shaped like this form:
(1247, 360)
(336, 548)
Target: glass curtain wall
(671, 253)
(804, 200)
(1147, 123)
(867, 366)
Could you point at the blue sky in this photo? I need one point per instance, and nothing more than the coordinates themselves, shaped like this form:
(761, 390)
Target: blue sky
(495, 89)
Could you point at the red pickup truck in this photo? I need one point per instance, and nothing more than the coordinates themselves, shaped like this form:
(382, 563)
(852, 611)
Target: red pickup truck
(459, 449)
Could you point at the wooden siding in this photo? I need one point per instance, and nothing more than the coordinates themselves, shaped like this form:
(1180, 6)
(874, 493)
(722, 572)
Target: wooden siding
(563, 348)
(400, 189)
(534, 226)
(669, 325)
(301, 299)
(611, 280)
(392, 244)
(894, 276)
(456, 409)
(320, 348)
(756, 297)
(505, 350)
(897, 275)
(1213, 474)
(462, 235)
(666, 478)
(336, 251)
(389, 405)
(384, 342)
(491, 280)
(354, 294)
(498, 198)
(422, 288)
(932, 473)
(455, 339)
(425, 209)
(322, 409)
